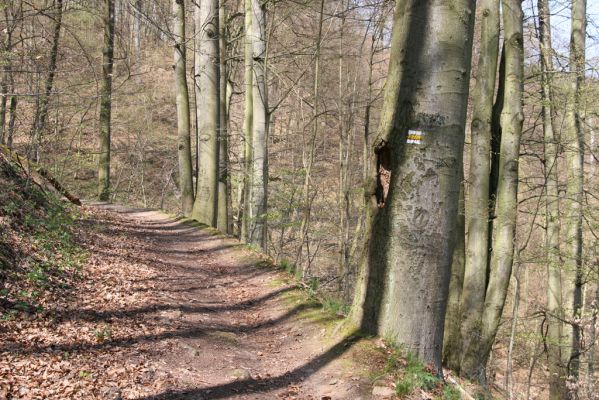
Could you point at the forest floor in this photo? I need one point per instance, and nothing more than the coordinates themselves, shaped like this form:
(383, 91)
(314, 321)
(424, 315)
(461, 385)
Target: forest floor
(165, 310)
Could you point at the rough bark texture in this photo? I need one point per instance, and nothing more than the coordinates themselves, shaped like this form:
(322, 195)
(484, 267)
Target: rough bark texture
(183, 124)
(412, 237)
(207, 86)
(106, 102)
(574, 152)
(477, 206)
(507, 189)
(258, 195)
(557, 372)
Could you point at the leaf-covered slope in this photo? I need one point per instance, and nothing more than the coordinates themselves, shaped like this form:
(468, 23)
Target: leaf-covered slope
(38, 257)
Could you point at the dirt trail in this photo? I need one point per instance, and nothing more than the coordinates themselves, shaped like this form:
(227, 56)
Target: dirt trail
(222, 327)
(164, 310)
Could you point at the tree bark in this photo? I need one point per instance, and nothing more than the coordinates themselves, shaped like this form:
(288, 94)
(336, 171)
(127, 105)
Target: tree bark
(452, 342)
(507, 189)
(259, 194)
(106, 102)
(557, 371)
(7, 78)
(248, 117)
(223, 179)
(421, 141)
(477, 206)
(574, 154)
(207, 86)
(183, 122)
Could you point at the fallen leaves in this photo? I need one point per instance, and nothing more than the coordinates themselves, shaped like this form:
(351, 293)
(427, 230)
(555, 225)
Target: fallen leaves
(84, 344)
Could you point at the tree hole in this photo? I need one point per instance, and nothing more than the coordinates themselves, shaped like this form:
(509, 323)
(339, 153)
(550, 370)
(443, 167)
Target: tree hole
(383, 175)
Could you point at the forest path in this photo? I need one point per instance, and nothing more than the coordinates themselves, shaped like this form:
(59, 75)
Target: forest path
(212, 323)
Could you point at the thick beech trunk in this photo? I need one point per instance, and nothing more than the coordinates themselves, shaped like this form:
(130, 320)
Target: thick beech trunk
(207, 86)
(420, 142)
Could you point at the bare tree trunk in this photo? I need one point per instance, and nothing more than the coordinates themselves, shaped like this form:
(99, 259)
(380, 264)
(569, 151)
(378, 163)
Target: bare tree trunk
(509, 378)
(258, 196)
(137, 28)
(183, 121)
(477, 206)
(452, 343)
(207, 77)
(593, 335)
(342, 194)
(574, 153)
(507, 189)
(105, 102)
(41, 115)
(223, 179)
(557, 370)
(13, 116)
(7, 78)
(248, 117)
(420, 142)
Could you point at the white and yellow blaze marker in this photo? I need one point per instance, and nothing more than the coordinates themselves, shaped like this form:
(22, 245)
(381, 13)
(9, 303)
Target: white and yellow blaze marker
(415, 137)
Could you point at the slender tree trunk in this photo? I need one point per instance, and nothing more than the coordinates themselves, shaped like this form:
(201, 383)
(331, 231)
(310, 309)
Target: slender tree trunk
(509, 378)
(3, 102)
(495, 152)
(477, 206)
(223, 179)
(452, 342)
(6, 74)
(507, 189)
(593, 335)
(183, 121)
(248, 117)
(106, 102)
(137, 28)
(309, 163)
(557, 372)
(12, 120)
(207, 77)
(258, 196)
(41, 114)
(342, 199)
(574, 153)
(420, 142)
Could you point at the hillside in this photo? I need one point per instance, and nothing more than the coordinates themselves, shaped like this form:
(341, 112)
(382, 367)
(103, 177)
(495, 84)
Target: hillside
(39, 256)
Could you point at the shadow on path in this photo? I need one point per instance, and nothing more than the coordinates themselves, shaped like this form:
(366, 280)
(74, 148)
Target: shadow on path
(251, 385)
